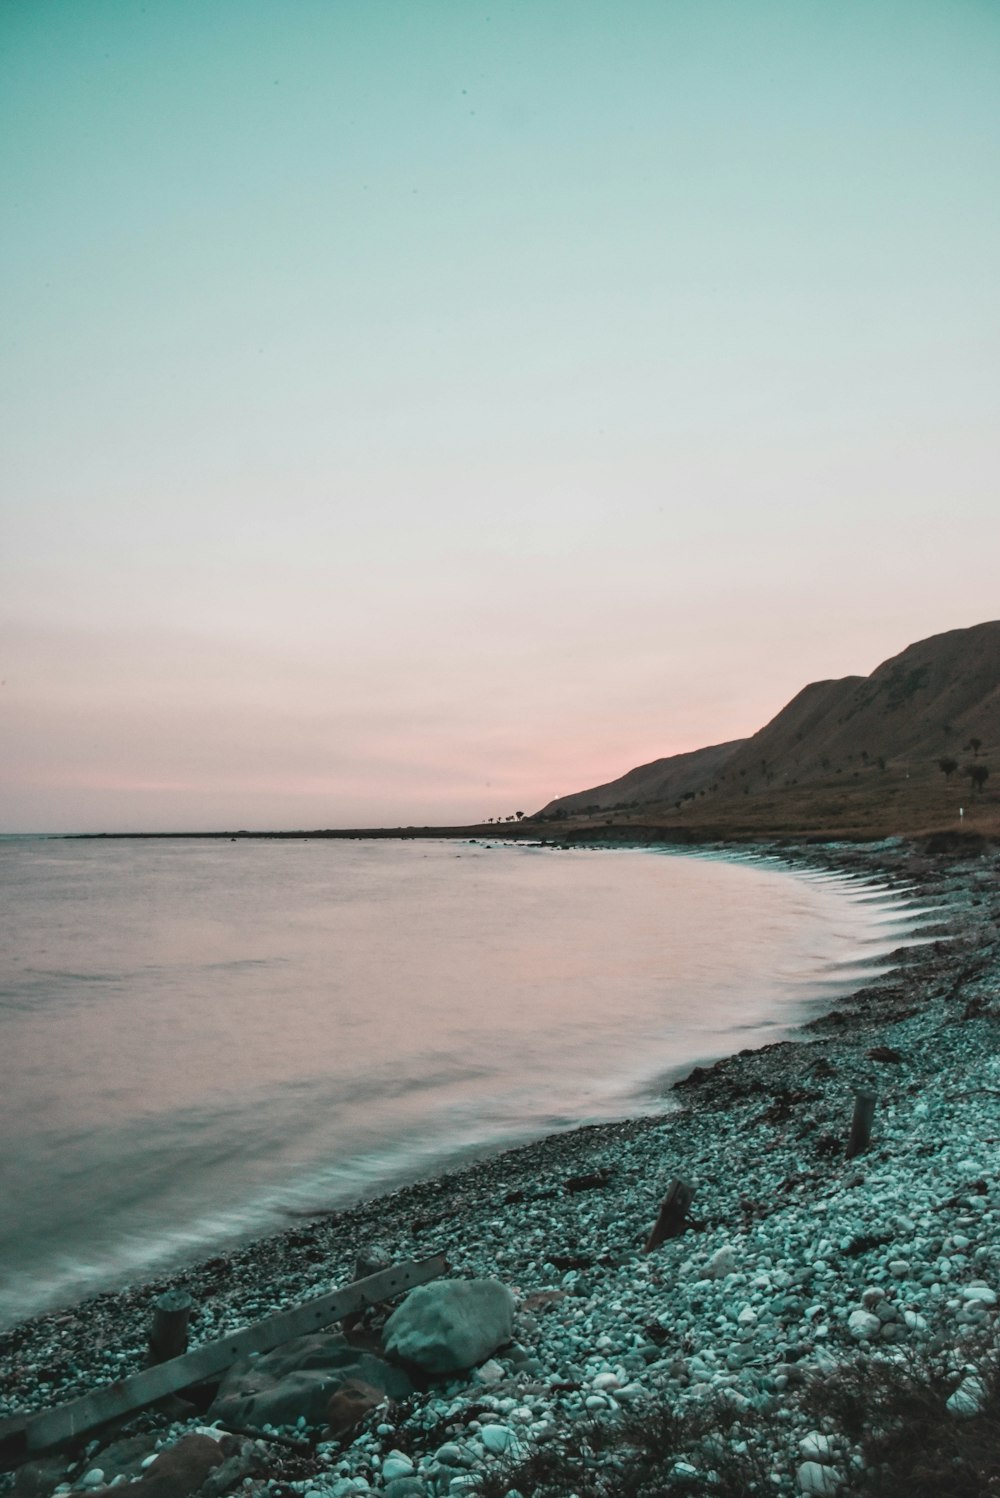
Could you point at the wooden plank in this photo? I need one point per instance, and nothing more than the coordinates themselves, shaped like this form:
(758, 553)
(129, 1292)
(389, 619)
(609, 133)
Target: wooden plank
(213, 1358)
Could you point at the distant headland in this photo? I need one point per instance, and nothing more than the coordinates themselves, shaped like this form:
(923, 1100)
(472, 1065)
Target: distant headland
(913, 749)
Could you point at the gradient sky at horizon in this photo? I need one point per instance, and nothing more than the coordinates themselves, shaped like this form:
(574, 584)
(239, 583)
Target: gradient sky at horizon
(415, 411)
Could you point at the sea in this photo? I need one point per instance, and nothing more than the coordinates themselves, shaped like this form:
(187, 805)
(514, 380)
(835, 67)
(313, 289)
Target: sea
(202, 1040)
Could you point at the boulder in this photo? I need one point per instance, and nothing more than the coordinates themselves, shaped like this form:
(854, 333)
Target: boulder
(178, 1471)
(37, 1479)
(297, 1380)
(451, 1324)
(350, 1404)
(181, 1469)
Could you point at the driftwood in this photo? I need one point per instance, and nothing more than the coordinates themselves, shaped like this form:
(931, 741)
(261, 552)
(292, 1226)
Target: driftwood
(861, 1123)
(35, 1433)
(673, 1211)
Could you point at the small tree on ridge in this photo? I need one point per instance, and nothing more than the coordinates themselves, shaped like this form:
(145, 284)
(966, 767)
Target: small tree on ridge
(978, 774)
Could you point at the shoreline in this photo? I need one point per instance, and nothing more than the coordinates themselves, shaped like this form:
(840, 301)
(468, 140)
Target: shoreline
(639, 1084)
(748, 1125)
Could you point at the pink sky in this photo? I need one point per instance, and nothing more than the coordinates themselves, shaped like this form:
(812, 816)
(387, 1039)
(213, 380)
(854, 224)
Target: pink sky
(415, 422)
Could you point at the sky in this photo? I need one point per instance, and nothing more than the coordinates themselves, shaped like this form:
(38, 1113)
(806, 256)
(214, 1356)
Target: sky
(414, 410)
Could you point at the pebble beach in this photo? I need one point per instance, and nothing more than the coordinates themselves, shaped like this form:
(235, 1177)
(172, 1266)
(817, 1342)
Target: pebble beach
(794, 1262)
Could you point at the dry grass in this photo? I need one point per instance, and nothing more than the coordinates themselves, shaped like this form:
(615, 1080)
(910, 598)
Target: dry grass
(912, 1445)
(893, 1415)
(658, 1452)
(903, 800)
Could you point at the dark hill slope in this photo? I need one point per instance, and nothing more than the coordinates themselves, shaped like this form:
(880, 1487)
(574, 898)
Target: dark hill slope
(859, 755)
(929, 701)
(667, 779)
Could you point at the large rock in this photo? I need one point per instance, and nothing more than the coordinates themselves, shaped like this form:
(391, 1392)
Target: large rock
(180, 1470)
(350, 1404)
(298, 1379)
(451, 1324)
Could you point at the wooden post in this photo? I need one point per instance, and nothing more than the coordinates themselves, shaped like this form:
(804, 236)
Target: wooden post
(861, 1123)
(168, 1334)
(370, 1260)
(673, 1211)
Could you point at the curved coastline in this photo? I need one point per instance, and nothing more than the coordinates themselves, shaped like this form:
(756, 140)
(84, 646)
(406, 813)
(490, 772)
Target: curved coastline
(747, 1124)
(646, 963)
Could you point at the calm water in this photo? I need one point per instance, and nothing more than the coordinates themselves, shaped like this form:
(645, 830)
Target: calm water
(198, 1038)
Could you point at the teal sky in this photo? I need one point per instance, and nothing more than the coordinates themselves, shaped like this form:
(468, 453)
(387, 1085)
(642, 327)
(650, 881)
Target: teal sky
(414, 411)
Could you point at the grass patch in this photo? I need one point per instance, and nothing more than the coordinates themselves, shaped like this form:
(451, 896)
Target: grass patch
(658, 1451)
(896, 1413)
(893, 1415)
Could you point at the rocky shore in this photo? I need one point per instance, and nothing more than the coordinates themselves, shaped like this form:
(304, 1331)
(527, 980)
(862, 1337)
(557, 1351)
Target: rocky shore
(795, 1263)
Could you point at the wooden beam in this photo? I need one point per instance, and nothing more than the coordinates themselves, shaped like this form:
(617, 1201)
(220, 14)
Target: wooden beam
(67, 1421)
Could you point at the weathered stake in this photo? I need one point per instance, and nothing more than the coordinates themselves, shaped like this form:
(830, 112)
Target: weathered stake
(168, 1334)
(673, 1211)
(861, 1123)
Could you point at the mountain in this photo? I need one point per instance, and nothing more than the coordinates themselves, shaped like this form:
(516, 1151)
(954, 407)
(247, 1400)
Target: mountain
(930, 700)
(667, 779)
(859, 753)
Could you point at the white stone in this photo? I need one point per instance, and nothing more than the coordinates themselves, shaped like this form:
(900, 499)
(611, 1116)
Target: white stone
(631, 1391)
(720, 1264)
(981, 1293)
(816, 1479)
(816, 1447)
(93, 1479)
(968, 1398)
(605, 1381)
(747, 1317)
(490, 1372)
(499, 1438)
(900, 1268)
(862, 1325)
(397, 1464)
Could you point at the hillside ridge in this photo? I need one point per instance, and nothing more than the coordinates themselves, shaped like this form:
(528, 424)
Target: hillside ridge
(925, 721)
